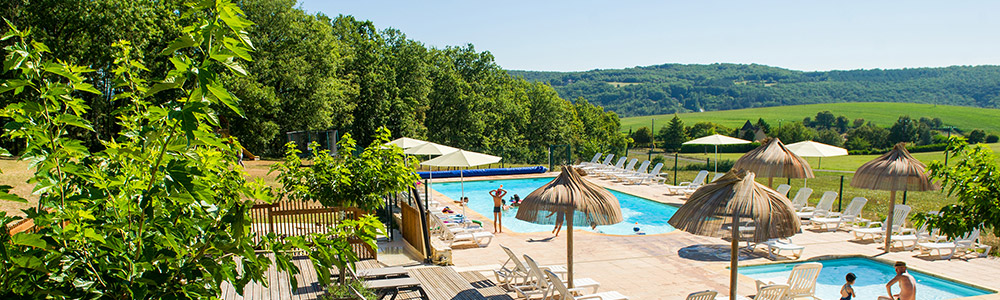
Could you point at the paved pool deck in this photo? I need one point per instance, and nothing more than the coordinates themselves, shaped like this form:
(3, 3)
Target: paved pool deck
(672, 265)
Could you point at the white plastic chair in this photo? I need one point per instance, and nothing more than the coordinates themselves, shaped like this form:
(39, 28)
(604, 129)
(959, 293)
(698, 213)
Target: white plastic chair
(837, 220)
(801, 281)
(877, 229)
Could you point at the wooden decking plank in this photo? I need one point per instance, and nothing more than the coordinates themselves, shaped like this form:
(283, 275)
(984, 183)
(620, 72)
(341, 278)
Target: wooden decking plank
(485, 286)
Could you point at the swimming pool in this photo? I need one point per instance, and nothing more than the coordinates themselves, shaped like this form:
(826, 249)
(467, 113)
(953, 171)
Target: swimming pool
(872, 276)
(650, 216)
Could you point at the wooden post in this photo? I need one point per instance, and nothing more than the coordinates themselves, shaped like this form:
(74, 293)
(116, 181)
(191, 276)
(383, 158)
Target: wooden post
(888, 227)
(569, 248)
(734, 256)
(675, 168)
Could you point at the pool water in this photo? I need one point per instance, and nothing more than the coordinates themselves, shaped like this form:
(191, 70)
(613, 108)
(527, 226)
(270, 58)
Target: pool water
(870, 284)
(650, 216)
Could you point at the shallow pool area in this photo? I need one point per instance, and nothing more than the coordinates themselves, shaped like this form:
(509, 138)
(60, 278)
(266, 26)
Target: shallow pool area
(870, 284)
(649, 216)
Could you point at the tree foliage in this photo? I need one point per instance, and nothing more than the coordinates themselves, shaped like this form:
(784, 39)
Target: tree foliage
(974, 179)
(672, 135)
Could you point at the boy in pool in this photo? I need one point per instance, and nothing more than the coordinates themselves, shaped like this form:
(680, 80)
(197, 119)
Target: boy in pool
(847, 291)
(497, 208)
(907, 285)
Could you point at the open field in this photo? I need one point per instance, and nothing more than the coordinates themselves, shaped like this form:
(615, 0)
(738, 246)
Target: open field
(883, 114)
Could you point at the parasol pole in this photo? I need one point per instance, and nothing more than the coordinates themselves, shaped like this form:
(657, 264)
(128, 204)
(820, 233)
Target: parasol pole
(716, 159)
(462, 200)
(734, 256)
(569, 248)
(888, 227)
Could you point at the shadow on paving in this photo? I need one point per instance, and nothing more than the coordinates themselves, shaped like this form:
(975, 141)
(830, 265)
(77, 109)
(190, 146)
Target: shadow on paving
(711, 253)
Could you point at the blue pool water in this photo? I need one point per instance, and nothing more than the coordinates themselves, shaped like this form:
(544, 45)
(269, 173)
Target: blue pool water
(872, 276)
(651, 216)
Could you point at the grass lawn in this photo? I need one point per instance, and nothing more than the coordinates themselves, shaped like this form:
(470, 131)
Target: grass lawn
(883, 114)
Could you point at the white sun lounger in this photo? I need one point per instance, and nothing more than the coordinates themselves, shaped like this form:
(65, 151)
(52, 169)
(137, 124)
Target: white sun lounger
(688, 187)
(593, 161)
(716, 177)
(960, 245)
(643, 168)
(822, 209)
(783, 189)
(480, 238)
(834, 221)
(652, 176)
(877, 229)
(628, 169)
(618, 165)
(509, 276)
(703, 295)
(772, 292)
(775, 246)
(539, 283)
(801, 200)
(567, 294)
(801, 281)
(914, 236)
(607, 160)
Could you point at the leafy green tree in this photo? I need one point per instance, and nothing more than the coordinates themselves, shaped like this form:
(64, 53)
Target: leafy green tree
(829, 137)
(858, 122)
(992, 138)
(793, 132)
(976, 136)
(673, 135)
(874, 136)
(904, 130)
(841, 124)
(643, 136)
(825, 119)
(701, 129)
(598, 130)
(162, 211)
(857, 143)
(763, 125)
(974, 179)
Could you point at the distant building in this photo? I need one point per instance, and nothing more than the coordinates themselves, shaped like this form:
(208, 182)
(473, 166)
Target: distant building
(751, 132)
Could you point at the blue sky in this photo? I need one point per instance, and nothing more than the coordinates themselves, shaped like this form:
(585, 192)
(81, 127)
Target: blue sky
(800, 35)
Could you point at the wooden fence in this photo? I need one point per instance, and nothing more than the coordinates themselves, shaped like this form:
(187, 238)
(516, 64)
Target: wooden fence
(412, 228)
(295, 218)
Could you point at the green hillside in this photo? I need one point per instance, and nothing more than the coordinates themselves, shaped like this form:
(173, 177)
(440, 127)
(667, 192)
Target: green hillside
(671, 88)
(884, 114)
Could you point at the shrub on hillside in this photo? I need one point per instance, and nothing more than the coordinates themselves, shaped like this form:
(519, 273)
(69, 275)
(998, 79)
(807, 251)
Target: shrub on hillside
(992, 138)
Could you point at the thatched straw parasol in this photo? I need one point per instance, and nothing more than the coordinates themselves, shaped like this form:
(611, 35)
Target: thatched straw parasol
(772, 159)
(580, 201)
(893, 171)
(732, 201)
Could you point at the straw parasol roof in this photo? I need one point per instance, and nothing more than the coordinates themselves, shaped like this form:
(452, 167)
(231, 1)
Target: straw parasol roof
(772, 159)
(578, 200)
(893, 171)
(736, 200)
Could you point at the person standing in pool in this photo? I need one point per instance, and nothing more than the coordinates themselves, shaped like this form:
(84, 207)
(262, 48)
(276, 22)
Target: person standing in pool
(560, 216)
(907, 285)
(847, 291)
(498, 208)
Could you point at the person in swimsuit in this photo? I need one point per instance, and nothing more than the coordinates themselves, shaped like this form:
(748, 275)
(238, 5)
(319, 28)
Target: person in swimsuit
(498, 208)
(559, 221)
(907, 285)
(847, 291)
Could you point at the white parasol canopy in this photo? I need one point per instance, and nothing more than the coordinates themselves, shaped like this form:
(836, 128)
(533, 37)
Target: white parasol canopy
(815, 149)
(406, 143)
(429, 148)
(716, 139)
(462, 158)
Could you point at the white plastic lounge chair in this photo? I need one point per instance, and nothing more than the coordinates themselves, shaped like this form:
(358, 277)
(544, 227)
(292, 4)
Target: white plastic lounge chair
(877, 229)
(801, 200)
(566, 294)
(717, 176)
(703, 295)
(822, 208)
(801, 281)
(607, 160)
(914, 236)
(538, 283)
(518, 271)
(381, 272)
(439, 225)
(641, 170)
(651, 175)
(686, 187)
(628, 169)
(618, 165)
(783, 189)
(593, 161)
(775, 246)
(850, 215)
(960, 245)
(772, 292)
(475, 237)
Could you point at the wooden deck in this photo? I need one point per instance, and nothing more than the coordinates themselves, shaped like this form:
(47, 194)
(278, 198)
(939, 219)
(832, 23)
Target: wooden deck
(440, 283)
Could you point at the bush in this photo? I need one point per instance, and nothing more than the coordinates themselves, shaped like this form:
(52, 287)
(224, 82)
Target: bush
(724, 166)
(656, 160)
(912, 149)
(976, 136)
(992, 138)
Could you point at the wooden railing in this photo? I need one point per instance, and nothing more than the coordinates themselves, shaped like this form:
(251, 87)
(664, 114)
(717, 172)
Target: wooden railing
(295, 218)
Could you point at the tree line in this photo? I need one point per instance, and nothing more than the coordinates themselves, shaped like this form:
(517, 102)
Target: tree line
(678, 88)
(857, 135)
(317, 72)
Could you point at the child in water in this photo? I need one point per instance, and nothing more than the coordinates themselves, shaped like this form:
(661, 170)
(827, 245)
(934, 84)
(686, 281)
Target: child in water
(847, 291)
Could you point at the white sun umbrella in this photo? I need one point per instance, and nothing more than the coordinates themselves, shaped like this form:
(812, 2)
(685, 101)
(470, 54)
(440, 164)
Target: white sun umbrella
(815, 149)
(462, 158)
(716, 139)
(406, 143)
(429, 148)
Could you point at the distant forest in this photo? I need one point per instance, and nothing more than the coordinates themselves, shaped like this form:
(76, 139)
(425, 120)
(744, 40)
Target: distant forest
(677, 88)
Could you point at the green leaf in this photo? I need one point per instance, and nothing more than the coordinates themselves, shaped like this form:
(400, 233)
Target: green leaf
(73, 120)
(86, 87)
(29, 262)
(226, 97)
(29, 239)
(181, 42)
(13, 84)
